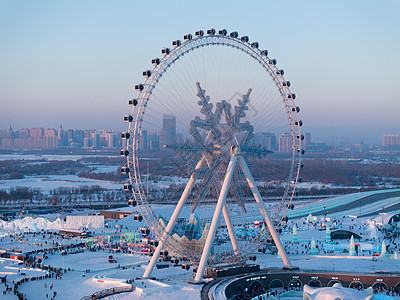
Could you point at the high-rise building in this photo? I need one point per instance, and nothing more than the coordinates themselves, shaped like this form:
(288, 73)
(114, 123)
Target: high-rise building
(36, 133)
(39, 138)
(168, 131)
(101, 137)
(179, 138)
(91, 139)
(50, 132)
(153, 140)
(143, 143)
(50, 139)
(62, 137)
(10, 133)
(285, 143)
(23, 133)
(70, 136)
(391, 142)
(78, 137)
(265, 139)
(112, 139)
(308, 139)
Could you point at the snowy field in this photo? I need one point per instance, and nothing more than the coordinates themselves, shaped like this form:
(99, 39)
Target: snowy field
(47, 183)
(41, 157)
(51, 182)
(90, 272)
(171, 283)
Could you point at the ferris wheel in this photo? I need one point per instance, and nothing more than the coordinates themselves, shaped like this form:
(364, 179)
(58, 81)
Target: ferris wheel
(213, 131)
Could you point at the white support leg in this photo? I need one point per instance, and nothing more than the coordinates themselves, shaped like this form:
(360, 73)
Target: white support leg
(231, 230)
(261, 206)
(217, 213)
(173, 219)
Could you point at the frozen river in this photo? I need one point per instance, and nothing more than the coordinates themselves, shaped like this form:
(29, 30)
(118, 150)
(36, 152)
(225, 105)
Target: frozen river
(51, 181)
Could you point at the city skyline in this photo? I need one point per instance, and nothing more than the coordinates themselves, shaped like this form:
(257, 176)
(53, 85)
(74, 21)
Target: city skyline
(38, 138)
(77, 63)
(329, 140)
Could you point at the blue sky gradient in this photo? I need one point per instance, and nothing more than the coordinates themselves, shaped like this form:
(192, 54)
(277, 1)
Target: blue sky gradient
(76, 62)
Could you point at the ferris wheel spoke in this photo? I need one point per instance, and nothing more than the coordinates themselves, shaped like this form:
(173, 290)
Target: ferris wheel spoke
(210, 178)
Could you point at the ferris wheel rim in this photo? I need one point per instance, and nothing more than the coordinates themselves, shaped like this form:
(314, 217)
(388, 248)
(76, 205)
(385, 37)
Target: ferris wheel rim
(179, 50)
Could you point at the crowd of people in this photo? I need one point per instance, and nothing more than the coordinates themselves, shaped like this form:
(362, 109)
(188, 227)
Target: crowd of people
(369, 232)
(41, 245)
(35, 257)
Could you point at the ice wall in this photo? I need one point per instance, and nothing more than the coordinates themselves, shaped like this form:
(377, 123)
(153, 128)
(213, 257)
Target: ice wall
(92, 223)
(30, 224)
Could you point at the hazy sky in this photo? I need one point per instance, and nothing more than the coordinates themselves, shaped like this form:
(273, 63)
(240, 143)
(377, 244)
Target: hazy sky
(76, 62)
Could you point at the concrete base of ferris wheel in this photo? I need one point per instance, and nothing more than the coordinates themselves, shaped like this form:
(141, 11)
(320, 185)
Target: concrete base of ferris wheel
(291, 268)
(144, 278)
(227, 271)
(196, 282)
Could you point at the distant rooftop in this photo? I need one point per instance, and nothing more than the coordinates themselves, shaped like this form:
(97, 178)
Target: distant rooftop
(357, 204)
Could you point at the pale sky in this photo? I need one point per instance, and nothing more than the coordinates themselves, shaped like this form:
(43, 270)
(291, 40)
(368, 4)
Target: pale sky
(75, 63)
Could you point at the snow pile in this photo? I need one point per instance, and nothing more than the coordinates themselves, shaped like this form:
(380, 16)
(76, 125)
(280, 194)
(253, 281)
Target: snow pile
(336, 292)
(31, 224)
(92, 223)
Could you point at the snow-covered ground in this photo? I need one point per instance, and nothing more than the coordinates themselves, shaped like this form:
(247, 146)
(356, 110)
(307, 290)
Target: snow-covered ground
(89, 272)
(103, 275)
(43, 156)
(47, 183)
(171, 282)
(334, 203)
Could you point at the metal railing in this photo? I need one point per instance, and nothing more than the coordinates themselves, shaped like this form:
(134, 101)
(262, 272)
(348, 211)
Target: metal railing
(108, 292)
